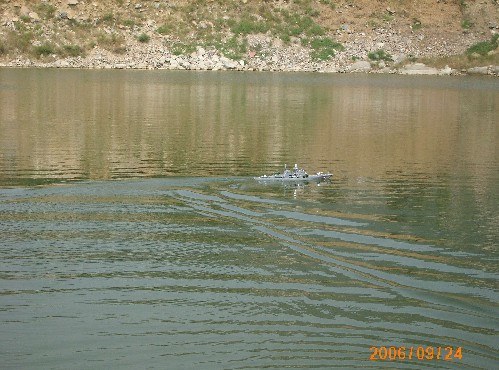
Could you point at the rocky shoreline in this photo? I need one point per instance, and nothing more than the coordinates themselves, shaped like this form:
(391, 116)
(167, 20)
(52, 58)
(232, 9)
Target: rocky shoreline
(270, 58)
(113, 40)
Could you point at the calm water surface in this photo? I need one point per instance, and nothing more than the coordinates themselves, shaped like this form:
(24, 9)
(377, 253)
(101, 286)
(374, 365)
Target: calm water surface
(132, 235)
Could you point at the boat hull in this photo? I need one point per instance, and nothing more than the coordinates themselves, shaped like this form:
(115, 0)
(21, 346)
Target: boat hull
(321, 177)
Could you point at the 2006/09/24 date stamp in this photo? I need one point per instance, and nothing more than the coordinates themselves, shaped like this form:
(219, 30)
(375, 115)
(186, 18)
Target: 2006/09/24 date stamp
(416, 353)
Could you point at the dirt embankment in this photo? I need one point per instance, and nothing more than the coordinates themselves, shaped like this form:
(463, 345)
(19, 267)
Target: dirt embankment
(292, 35)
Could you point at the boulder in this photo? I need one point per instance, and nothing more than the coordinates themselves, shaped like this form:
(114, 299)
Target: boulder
(61, 63)
(228, 63)
(418, 69)
(399, 58)
(200, 51)
(447, 71)
(478, 70)
(24, 12)
(360, 66)
(34, 16)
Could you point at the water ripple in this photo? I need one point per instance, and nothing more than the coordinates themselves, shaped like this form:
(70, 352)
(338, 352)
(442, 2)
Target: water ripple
(184, 272)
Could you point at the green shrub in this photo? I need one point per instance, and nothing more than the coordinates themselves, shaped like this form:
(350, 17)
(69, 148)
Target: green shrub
(164, 29)
(72, 50)
(484, 47)
(467, 24)
(112, 42)
(233, 48)
(44, 49)
(107, 18)
(328, 2)
(380, 55)
(129, 23)
(143, 37)
(325, 42)
(46, 10)
(316, 30)
(20, 40)
(323, 48)
(3, 48)
(416, 24)
(285, 37)
(181, 49)
(312, 12)
(248, 26)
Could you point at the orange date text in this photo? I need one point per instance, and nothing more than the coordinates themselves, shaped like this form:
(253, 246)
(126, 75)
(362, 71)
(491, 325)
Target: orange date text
(421, 353)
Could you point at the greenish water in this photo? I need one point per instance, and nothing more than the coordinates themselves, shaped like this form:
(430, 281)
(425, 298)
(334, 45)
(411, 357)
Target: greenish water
(132, 234)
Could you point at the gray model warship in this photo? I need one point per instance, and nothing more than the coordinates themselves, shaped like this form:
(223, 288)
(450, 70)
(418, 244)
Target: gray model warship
(295, 174)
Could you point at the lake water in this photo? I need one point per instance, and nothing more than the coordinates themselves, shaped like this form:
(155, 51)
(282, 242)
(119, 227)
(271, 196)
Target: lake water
(133, 236)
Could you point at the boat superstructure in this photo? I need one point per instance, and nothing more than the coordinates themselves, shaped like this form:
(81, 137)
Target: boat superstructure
(296, 174)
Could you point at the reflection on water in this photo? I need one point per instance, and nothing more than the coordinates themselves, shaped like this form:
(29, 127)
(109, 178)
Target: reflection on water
(202, 267)
(116, 124)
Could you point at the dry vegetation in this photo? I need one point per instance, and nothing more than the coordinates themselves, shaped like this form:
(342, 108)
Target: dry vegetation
(54, 29)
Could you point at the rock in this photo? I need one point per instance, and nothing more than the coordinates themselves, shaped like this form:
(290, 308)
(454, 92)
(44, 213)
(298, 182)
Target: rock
(228, 63)
(174, 63)
(72, 2)
(218, 66)
(66, 14)
(418, 69)
(399, 58)
(34, 16)
(200, 51)
(447, 71)
(231, 65)
(360, 66)
(478, 70)
(185, 64)
(120, 66)
(24, 12)
(61, 64)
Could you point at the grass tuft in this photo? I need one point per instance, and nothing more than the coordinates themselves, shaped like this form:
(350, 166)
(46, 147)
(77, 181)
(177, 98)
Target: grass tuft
(323, 48)
(72, 50)
(248, 26)
(484, 47)
(143, 37)
(379, 55)
(164, 29)
(44, 50)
